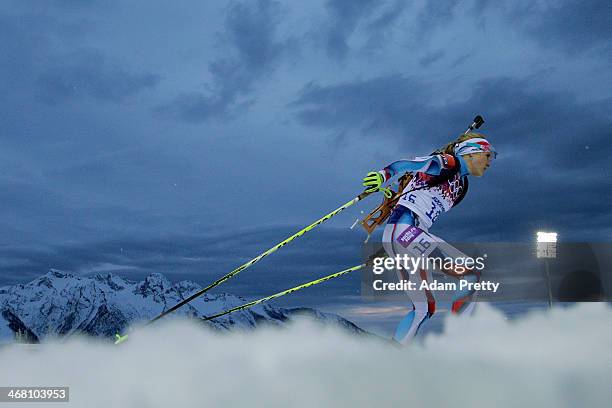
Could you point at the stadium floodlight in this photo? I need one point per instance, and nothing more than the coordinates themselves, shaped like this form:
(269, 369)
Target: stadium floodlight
(547, 248)
(547, 237)
(547, 245)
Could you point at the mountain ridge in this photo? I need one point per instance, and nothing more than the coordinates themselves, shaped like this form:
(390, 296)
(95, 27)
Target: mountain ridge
(61, 304)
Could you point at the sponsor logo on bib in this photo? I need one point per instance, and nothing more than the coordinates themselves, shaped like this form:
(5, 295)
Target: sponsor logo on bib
(408, 235)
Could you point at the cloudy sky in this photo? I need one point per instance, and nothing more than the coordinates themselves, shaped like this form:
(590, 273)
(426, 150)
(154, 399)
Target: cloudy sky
(185, 139)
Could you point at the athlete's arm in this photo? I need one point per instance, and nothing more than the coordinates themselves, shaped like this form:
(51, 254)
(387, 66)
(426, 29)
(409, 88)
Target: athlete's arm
(432, 165)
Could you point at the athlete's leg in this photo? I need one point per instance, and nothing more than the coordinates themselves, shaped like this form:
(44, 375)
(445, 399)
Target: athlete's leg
(423, 308)
(463, 300)
(422, 301)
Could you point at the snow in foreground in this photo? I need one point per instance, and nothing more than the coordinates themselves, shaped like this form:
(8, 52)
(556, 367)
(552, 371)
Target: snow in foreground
(558, 358)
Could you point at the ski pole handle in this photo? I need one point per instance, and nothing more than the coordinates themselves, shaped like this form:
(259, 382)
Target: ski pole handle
(364, 195)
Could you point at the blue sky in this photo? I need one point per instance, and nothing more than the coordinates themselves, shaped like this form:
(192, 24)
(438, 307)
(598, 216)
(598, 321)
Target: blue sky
(186, 138)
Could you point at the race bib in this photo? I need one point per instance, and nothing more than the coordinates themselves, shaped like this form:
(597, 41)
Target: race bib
(417, 241)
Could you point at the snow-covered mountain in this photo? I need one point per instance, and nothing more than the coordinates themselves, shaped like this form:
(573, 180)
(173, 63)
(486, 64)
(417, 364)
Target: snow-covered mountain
(59, 303)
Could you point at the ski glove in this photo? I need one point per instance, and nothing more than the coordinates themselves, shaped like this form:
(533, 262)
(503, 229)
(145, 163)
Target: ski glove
(373, 182)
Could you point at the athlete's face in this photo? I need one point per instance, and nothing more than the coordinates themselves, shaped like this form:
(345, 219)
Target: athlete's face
(478, 163)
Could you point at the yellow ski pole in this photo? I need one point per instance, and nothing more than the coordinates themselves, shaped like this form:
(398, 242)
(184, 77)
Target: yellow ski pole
(263, 255)
(284, 292)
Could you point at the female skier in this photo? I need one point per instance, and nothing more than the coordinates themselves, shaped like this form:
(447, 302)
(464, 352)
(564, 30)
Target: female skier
(438, 183)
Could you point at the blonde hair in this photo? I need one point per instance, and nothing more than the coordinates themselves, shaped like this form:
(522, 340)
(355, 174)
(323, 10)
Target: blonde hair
(450, 148)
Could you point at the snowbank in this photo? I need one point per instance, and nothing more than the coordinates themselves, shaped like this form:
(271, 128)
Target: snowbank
(548, 358)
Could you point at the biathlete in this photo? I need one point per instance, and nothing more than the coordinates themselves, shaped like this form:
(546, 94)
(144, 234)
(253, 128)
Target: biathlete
(435, 184)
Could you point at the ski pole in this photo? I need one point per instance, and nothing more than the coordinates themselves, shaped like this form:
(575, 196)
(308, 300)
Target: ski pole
(379, 253)
(120, 339)
(262, 255)
(284, 292)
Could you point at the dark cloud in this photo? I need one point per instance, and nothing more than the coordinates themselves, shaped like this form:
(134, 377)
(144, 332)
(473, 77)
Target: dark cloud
(431, 58)
(435, 14)
(387, 18)
(398, 105)
(90, 73)
(460, 60)
(252, 31)
(570, 25)
(387, 106)
(568, 135)
(201, 258)
(574, 26)
(33, 63)
(345, 16)
(555, 145)
(251, 34)
(70, 5)
(83, 179)
(27, 39)
(229, 95)
(78, 4)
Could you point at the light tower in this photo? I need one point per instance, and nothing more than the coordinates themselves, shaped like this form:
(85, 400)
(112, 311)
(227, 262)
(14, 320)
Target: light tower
(547, 249)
